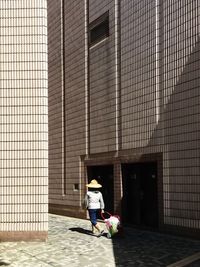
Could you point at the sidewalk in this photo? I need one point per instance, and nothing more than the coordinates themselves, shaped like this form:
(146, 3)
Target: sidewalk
(70, 243)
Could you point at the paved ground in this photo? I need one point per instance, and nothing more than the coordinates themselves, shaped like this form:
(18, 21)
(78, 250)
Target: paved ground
(70, 243)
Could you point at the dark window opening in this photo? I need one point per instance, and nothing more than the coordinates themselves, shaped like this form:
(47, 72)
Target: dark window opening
(76, 187)
(99, 29)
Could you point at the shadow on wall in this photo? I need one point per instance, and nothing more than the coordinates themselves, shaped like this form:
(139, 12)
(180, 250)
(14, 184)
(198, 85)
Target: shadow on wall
(181, 119)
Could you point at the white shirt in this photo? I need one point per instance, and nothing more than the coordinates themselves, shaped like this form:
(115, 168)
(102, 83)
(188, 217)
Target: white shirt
(94, 200)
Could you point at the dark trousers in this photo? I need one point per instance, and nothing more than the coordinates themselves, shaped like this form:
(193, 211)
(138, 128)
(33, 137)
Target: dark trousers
(93, 215)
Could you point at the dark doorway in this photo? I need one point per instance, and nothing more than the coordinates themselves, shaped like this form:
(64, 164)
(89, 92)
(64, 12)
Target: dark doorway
(140, 201)
(104, 175)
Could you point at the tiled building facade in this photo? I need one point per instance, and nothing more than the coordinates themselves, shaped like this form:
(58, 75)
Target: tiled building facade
(124, 96)
(23, 120)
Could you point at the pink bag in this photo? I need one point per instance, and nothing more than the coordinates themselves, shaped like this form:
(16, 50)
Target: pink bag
(112, 223)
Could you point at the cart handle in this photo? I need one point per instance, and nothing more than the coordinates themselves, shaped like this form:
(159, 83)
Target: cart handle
(105, 212)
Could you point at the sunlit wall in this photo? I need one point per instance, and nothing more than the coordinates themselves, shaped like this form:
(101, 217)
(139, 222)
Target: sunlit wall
(23, 120)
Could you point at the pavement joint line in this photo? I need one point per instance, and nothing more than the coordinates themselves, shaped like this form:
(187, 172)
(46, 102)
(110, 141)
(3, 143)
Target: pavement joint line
(186, 261)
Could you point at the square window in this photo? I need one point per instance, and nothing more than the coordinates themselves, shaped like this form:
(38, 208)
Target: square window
(99, 29)
(76, 187)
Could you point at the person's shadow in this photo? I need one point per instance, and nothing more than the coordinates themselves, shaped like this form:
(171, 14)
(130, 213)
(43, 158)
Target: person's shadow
(83, 231)
(2, 263)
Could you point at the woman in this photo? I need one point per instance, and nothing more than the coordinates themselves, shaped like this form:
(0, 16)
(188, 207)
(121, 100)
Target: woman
(94, 202)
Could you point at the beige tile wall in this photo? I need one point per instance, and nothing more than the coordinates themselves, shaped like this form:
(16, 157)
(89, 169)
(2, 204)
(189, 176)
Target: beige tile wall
(66, 99)
(23, 117)
(174, 31)
(181, 95)
(102, 130)
(138, 73)
(56, 103)
(158, 99)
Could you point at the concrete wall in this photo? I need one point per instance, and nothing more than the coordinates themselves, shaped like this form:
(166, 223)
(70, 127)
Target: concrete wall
(23, 120)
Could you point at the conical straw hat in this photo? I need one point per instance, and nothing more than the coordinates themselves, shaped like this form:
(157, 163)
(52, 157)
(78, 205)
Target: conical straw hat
(94, 184)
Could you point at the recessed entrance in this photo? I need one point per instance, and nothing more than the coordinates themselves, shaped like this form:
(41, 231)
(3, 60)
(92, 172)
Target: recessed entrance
(140, 201)
(104, 175)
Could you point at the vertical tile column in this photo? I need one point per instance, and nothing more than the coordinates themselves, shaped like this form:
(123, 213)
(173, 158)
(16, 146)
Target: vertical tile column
(181, 96)
(23, 120)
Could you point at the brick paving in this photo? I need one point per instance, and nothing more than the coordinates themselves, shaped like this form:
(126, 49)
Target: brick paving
(70, 243)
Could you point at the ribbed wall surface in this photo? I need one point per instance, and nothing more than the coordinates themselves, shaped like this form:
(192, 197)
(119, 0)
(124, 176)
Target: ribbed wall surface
(56, 103)
(181, 120)
(174, 33)
(143, 98)
(23, 119)
(74, 98)
(66, 99)
(138, 72)
(102, 84)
